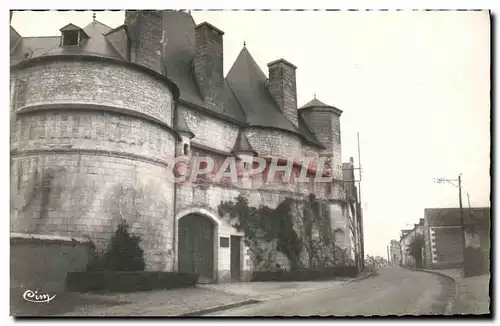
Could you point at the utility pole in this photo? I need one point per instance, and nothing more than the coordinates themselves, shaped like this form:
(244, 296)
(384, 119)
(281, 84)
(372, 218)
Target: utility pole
(360, 212)
(461, 213)
(470, 209)
(462, 224)
(388, 256)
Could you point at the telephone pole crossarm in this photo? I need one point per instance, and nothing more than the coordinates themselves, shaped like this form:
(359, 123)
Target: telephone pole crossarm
(462, 223)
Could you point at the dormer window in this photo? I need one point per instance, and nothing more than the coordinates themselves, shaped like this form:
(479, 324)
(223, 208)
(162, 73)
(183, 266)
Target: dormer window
(70, 38)
(72, 35)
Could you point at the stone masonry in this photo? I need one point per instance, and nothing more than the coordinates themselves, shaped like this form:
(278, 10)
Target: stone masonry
(93, 134)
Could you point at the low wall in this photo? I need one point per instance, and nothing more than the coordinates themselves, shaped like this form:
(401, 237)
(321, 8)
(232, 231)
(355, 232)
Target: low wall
(41, 262)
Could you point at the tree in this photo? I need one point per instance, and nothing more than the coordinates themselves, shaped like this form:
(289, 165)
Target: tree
(416, 245)
(123, 253)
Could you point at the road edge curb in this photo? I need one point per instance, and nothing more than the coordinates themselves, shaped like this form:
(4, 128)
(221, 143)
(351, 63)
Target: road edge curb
(364, 277)
(205, 311)
(452, 300)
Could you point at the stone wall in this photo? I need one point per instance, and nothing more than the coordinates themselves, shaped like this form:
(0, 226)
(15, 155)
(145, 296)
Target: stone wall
(210, 132)
(41, 263)
(76, 172)
(220, 135)
(77, 169)
(274, 143)
(98, 83)
(448, 244)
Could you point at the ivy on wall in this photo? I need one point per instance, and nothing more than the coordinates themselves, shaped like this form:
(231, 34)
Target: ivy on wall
(300, 228)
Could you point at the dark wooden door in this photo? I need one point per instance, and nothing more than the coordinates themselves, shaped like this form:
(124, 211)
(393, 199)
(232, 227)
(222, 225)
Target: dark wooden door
(235, 258)
(196, 246)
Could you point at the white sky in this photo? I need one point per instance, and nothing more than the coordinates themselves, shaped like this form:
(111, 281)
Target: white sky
(415, 85)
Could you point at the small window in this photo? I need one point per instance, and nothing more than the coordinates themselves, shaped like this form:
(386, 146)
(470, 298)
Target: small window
(186, 149)
(70, 38)
(224, 242)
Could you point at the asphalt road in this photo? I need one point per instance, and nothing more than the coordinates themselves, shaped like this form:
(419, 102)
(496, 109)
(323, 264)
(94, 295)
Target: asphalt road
(395, 291)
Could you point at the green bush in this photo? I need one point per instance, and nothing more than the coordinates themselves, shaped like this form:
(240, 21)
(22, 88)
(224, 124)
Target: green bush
(123, 253)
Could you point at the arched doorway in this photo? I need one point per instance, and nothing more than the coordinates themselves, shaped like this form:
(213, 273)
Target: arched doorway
(196, 246)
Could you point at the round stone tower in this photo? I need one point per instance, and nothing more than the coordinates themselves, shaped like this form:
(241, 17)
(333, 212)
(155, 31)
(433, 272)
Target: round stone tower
(91, 140)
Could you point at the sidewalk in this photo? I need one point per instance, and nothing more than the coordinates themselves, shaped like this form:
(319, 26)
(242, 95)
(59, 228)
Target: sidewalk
(473, 292)
(170, 303)
(263, 291)
(203, 299)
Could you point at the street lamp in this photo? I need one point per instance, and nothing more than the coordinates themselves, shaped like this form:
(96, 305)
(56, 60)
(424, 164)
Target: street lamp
(459, 186)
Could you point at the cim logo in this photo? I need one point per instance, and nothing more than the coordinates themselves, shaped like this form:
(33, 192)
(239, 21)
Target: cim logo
(36, 297)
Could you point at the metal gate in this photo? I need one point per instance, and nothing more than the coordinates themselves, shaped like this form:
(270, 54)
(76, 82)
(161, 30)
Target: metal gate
(196, 246)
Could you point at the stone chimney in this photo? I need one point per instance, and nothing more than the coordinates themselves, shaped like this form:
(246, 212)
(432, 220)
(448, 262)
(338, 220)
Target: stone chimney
(209, 64)
(145, 33)
(283, 87)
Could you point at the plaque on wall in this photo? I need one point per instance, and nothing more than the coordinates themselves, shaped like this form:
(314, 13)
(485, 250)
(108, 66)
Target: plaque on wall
(224, 242)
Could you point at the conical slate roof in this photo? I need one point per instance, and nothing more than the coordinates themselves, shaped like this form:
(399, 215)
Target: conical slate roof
(242, 145)
(315, 103)
(246, 98)
(248, 83)
(180, 124)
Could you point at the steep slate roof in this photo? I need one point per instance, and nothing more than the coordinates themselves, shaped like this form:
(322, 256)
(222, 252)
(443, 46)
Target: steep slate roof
(315, 103)
(96, 44)
(14, 37)
(180, 51)
(70, 27)
(246, 97)
(248, 83)
(451, 216)
(31, 47)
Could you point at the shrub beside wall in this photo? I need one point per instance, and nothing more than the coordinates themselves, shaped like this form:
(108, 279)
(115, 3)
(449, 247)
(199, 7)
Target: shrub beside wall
(121, 269)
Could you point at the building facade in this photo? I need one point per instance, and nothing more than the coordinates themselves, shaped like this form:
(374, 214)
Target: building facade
(443, 234)
(98, 114)
(395, 254)
(407, 237)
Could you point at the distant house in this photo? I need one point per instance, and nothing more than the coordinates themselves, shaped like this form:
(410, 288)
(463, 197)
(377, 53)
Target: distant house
(407, 237)
(395, 253)
(443, 235)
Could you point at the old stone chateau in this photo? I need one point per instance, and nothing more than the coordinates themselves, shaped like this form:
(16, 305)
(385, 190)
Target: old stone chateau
(97, 114)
